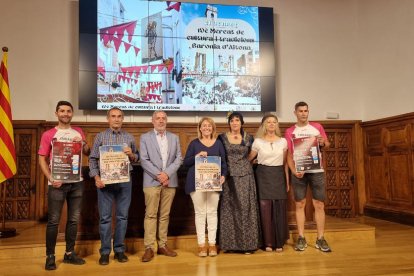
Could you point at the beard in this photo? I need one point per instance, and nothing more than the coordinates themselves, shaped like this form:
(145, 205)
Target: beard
(65, 120)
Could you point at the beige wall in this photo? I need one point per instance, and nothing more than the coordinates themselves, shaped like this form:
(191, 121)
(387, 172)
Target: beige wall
(352, 57)
(317, 57)
(386, 36)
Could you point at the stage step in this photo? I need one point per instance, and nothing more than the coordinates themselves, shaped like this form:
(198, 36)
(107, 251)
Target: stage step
(30, 239)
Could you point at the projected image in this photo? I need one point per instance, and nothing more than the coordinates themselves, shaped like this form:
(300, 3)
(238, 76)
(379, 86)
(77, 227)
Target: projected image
(152, 49)
(177, 56)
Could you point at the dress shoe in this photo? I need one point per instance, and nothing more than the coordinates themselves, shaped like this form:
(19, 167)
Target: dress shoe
(148, 255)
(166, 251)
(121, 257)
(50, 262)
(104, 259)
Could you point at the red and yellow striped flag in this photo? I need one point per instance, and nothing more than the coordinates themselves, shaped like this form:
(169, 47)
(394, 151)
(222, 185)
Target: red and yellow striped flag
(7, 150)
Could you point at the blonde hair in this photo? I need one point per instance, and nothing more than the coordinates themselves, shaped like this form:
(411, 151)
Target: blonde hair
(261, 132)
(211, 121)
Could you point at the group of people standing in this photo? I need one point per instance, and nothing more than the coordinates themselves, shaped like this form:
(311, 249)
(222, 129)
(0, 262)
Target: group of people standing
(249, 214)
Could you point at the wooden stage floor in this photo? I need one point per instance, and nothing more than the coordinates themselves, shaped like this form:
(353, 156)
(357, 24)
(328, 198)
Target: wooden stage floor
(361, 246)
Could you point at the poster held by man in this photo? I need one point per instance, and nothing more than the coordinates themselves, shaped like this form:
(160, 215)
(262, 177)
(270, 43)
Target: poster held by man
(114, 164)
(66, 161)
(307, 154)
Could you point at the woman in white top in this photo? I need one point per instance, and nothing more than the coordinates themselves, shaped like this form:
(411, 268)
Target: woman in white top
(271, 174)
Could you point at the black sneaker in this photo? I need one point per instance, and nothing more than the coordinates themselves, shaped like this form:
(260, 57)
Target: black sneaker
(50, 262)
(73, 259)
(301, 244)
(121, 257)
(104, 259)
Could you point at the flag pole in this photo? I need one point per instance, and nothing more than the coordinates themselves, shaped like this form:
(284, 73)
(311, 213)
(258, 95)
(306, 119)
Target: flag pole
(5, 232)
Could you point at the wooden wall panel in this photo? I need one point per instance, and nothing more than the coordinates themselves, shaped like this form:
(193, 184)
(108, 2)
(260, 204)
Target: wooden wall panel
(397, 136)
(373, 138)
(340, 174)
(400, 184)
(389, 151)
(377, 174)
(21, 189)
(27, 197)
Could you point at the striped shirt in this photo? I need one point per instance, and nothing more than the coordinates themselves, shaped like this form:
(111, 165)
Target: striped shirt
(110, 137)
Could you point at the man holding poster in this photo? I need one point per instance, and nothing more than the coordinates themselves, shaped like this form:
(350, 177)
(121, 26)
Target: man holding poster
(304, 142)
(113, 192)
(65, 184)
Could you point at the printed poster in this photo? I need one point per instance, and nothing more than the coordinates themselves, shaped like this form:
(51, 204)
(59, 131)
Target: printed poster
(66, 161)
(113, 164)
(306, 154)
(208, 173)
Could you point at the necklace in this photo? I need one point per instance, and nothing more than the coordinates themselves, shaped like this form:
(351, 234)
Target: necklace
(235, 136)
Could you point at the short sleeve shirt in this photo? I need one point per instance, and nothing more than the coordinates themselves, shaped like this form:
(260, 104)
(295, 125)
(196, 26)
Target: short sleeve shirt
(310, 130)
(270, 153)
(57, 134)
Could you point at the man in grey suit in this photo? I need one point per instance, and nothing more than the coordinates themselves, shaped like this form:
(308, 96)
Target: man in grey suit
(160, 160)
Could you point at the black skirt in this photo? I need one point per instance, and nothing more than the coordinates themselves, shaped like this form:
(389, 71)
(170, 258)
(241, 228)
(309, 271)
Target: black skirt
(271, 182)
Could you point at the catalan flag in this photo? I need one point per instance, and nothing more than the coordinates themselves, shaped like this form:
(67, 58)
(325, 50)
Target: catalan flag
(7, 150)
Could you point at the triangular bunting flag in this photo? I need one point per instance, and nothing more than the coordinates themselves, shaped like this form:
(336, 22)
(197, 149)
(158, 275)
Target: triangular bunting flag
(117, 43)
(127, 46)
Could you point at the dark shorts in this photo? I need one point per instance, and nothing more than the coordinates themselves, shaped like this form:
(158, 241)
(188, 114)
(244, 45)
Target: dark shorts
(315, 180)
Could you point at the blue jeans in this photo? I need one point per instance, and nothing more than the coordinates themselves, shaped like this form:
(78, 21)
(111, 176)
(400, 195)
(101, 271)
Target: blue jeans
(72, 193)
(120, 195)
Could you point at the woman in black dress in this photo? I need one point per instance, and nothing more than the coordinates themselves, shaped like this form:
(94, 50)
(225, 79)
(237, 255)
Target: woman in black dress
(239, 212)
